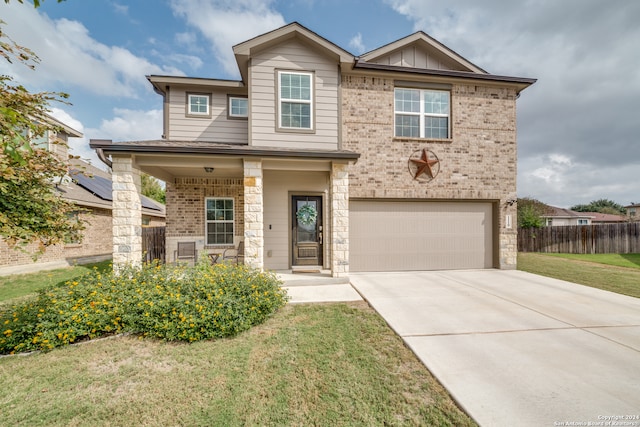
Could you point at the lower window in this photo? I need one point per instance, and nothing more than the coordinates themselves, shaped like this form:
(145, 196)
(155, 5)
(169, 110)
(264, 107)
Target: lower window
(219, 221)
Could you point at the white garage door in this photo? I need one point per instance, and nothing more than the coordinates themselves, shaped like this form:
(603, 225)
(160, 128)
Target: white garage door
(408, 235)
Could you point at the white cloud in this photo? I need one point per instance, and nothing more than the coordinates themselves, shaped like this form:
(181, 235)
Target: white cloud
(121, 9)
(187, 38)
(70, 56)
(585, 103)
(130, 125)
(225, 23)
(125, 125)
(356, 44)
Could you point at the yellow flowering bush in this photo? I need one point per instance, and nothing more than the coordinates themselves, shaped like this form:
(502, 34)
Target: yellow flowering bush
(176, 303)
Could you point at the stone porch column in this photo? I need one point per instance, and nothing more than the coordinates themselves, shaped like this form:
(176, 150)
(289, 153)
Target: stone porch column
(339, 220)
(126, 213)
(253, 214)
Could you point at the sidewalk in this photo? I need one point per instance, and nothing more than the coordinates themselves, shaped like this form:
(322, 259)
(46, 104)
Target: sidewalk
(317, 287)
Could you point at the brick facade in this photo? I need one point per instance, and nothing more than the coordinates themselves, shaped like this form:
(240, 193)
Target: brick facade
(186, 207)
(478, 163)
(96, 244)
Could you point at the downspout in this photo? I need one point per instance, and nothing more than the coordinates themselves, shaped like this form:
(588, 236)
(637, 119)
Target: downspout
(103, 157)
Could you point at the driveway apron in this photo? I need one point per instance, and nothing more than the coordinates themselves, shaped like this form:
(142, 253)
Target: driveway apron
(514, 348)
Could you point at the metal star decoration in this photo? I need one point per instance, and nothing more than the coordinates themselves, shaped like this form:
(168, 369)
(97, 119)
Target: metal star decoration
(429, 166)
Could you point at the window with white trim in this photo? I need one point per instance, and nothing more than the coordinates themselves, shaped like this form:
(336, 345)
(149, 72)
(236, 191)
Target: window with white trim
(422, 113)
(295, 100)
(238, 107)
(220, 225)
(583, 222)
(198, 104)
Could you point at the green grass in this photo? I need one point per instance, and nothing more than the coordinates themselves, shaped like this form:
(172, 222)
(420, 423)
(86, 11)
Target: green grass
(618, 260)
(19, 285)
(598, 271)
(321, 364)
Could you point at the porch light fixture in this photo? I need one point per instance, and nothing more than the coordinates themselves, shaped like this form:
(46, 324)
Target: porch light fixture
(208, 169)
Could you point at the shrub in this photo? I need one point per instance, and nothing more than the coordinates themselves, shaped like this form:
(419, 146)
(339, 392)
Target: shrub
(167, 302)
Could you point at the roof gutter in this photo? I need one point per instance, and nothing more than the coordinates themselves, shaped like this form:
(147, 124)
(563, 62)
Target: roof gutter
(106, 145)
(444, 73)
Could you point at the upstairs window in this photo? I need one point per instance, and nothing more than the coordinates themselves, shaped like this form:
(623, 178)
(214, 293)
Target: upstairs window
(219, 221)
(295, 97)
(422, 113)
(238, 107)
(198, 104)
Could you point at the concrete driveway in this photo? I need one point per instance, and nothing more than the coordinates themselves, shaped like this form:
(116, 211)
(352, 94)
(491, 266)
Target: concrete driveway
(515, 348)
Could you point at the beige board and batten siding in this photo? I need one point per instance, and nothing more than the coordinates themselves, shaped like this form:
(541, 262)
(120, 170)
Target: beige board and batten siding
(415, 57)
(418, 235)
(293, 56)
(279, 186)
(216, 128)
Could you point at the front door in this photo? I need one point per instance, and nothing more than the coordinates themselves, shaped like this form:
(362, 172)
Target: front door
(306, 219)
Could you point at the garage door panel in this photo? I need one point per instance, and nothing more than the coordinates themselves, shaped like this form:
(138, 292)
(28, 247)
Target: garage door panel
(396, 236)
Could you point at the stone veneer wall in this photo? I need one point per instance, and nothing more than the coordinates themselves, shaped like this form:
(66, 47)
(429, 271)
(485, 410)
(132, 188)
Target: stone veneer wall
(127, 212)
(477, 163)
(96, 244)
(185, 210)
(340, 220)
(253, 214)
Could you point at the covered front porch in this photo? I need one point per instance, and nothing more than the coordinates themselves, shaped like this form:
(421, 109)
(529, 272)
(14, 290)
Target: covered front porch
(289, 208)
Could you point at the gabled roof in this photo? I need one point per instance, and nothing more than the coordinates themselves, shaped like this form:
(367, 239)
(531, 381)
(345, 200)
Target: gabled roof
(601, 217)
(554, 212)
(66, 129)
(243, 51)
(426, 44)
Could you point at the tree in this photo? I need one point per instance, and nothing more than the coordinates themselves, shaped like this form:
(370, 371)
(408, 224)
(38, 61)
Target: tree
(604, 206)
(530, 213)
(36, 3)
(151, 188)
(30, 208)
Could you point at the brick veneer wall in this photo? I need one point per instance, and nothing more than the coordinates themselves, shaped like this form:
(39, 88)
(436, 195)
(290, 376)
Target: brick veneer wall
(477, 163)
(185, 209)
(97, 242)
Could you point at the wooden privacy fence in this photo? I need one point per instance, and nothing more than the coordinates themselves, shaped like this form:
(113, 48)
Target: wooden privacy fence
(153, 246)
(621, 238)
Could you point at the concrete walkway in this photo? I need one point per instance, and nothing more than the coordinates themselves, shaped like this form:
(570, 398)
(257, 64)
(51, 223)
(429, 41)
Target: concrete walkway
(317, 287)
(515, 348)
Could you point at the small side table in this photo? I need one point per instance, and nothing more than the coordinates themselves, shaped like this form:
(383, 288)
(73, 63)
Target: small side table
(214, 258)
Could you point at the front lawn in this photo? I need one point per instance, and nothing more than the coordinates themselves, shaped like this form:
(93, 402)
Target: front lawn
(322, 364)
(618, 260)
(607, 272)
(18, 285)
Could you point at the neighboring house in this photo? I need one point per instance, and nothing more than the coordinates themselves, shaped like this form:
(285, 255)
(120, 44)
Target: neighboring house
(403, 158)
(601, 218)
(91, 192)
(554, 216)
(633, 212)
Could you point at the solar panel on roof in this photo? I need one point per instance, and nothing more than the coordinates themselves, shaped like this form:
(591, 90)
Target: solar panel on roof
(149, 204)
(97, 185)
(101, 187)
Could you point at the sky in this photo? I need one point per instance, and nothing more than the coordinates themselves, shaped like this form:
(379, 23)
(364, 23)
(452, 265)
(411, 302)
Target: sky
(578, 126)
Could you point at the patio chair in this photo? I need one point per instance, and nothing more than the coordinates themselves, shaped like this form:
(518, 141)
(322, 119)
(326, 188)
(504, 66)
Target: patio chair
(235, 255)
(186, 251)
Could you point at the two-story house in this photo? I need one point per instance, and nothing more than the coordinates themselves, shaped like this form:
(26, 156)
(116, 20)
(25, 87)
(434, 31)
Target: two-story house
(403, 158)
